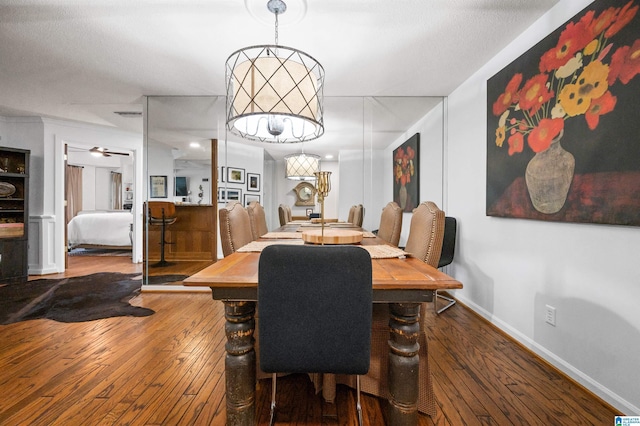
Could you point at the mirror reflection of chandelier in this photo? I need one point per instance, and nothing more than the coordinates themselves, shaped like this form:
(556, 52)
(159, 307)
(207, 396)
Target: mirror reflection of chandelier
(274, 93)
(301, 166)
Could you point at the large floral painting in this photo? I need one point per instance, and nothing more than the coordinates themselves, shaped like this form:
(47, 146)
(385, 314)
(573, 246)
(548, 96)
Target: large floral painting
(563, 123)
(406, 179)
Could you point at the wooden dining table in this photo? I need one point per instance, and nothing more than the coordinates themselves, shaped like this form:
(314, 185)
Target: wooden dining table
(403, 282)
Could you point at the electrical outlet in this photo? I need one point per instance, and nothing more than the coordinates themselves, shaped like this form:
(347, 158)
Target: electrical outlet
(550, 315)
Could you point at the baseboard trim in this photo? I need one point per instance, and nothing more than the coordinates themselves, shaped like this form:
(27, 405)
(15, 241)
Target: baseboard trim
(615, 401)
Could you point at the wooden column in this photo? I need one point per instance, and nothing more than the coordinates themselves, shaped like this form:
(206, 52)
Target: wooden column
(404, 363)
(240, 363)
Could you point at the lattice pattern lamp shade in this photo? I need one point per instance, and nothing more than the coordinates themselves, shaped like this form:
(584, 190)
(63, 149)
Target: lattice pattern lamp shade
(301, 166)
(274, 94)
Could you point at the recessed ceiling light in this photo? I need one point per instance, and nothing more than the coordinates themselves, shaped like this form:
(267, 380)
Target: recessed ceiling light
(328, 156)
(194, 144)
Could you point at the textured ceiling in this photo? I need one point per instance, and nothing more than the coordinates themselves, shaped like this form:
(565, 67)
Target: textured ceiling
(85, 59)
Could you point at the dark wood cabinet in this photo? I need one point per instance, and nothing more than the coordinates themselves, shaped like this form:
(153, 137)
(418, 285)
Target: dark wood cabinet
(14, 214)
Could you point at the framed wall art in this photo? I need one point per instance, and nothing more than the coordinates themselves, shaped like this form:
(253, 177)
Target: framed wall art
(226, 195)
(253, 182)
(157, 187)
(406, 174)
(235, 175)
(563, 125)
(248, 198)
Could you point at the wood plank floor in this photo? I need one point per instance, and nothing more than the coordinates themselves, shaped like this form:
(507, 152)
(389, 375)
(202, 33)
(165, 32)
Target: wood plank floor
(168, 369)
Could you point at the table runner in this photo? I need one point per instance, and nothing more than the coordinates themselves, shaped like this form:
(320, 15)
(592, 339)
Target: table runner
(380, 251)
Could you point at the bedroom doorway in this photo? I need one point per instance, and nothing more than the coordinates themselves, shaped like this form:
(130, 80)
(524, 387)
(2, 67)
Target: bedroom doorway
(99, 204)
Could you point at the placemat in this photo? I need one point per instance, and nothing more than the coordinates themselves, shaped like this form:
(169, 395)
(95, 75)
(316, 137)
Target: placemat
(282, 235)
(257, 246)
(383, 251)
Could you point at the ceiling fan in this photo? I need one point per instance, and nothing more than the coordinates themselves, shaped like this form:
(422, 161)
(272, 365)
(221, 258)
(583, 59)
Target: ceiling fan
(104, 152)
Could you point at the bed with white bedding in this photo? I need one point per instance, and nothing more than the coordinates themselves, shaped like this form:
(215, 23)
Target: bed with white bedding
(104, 229)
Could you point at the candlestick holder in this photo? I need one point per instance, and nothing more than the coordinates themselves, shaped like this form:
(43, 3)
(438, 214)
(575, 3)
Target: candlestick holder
(323, 186)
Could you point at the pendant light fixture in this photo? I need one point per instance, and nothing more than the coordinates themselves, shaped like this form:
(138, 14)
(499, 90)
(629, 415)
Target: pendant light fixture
(301, 166)
(274, 93)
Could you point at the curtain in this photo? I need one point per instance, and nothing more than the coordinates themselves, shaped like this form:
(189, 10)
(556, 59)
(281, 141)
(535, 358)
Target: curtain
(73, 191)
(116, 191)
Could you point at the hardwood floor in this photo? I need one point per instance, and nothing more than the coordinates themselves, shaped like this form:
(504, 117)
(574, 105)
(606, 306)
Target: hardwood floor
(168, 369)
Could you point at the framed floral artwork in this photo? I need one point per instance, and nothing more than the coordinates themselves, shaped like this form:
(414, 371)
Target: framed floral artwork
(406, 174)
(563, 125)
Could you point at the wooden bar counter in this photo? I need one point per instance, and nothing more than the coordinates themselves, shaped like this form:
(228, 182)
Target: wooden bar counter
(192, 237)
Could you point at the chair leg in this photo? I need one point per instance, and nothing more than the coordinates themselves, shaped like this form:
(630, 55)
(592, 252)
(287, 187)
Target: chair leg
(447, 306)
(272, 415)
(358, 405)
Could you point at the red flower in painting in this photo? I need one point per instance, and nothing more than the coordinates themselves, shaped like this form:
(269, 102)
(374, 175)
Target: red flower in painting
(601, 23)
(603, 105)
(574, 38)
(625, 63)
(540, 138)
(516, 143)
(509, 97)
(625, 16)
(404, 168)
(534, 93)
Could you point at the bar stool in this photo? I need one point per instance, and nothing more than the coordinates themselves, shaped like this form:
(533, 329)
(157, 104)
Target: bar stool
(162, 213)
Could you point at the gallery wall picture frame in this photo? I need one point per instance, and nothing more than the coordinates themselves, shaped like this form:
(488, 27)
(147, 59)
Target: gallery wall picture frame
(226, 195)
(157, 186)
(221, 174)
(235, 175)
(253, 182)
(248, 198)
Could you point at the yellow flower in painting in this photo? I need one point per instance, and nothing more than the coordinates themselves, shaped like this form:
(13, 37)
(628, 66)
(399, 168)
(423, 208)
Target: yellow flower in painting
(593, 79)
(591, 47)
(591, 84)
(572, 101)
(501, 134)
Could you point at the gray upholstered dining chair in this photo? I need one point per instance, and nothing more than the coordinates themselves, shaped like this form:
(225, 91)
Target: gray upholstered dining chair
(257, 219)
(315, 311)
(235, 227)
(446, 257)
(391, 223)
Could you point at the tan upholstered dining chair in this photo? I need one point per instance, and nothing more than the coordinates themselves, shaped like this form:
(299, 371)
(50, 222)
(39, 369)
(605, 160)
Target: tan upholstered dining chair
(391, 223)
(424, 242)
(235, 227)
(257, 219)
(284, 214)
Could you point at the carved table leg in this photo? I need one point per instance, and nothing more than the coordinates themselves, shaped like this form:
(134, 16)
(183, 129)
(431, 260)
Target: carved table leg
(403, 363)
(240, 363)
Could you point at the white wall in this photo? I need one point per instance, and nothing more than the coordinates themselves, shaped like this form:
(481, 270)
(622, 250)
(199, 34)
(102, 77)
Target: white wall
(431, 150)
(512, 268)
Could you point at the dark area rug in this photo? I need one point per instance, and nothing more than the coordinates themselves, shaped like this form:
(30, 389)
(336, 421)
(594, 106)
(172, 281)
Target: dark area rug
(78, 299)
